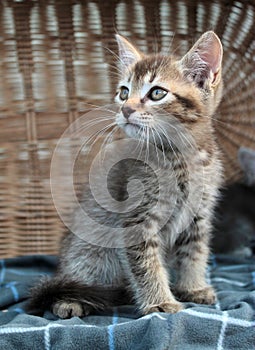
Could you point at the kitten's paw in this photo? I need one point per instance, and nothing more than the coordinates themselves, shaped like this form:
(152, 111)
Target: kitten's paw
(66, 309)
(170, 308)
(201, 296)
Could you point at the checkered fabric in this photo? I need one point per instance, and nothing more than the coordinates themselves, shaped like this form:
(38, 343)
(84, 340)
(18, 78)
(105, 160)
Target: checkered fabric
(230, 324)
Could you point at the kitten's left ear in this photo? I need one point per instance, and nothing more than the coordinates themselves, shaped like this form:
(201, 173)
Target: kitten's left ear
(202, 63)
(128, 54)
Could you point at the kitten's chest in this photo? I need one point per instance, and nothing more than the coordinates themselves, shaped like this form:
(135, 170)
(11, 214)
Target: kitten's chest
(192, 194)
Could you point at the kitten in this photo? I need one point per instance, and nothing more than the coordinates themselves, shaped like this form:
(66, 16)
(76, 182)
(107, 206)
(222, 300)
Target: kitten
(166, 103)
(235, 223)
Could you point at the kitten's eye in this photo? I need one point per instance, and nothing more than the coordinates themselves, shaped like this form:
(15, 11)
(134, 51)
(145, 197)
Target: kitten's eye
(157, 94)
(123, 93)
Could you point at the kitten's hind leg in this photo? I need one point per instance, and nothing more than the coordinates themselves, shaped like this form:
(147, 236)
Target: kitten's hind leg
(148, 278)
(191, 262)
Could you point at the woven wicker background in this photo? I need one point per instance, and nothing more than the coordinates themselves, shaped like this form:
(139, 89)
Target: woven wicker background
(53, 64)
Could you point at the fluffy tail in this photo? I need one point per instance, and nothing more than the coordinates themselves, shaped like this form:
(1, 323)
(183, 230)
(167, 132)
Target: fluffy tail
(50, 290)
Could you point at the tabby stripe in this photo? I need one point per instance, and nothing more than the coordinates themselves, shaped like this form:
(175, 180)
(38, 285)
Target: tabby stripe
(153, 76)
(185, 102)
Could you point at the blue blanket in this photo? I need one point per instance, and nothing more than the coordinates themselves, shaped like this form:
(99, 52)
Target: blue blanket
(230, 324)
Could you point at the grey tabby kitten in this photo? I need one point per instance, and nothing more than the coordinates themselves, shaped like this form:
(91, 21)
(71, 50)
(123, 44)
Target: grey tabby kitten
(157, 94)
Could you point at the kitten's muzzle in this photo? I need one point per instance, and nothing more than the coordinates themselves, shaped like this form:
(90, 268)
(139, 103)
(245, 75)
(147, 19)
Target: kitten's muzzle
(127, 111)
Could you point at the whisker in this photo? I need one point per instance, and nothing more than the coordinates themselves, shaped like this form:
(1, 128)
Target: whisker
(116, 70)
(98, 134)
(162, 145)
(98, 107)
(154, 141)
(118, 58)
(171, 146)
(179, 133)
(167, 139)
(147, 146)
(108, 139)
(91, 123)
(142, 139)
(216, 120)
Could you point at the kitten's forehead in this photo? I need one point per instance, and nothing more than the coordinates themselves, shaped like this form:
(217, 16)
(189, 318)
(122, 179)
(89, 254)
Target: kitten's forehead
(148, 69)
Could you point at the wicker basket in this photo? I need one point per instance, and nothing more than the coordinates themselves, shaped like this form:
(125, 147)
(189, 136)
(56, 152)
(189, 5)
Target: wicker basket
(53, 65)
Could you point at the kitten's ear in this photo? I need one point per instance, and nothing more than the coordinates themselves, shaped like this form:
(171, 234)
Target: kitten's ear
(246, 157)
(202, 63)
(128, 54)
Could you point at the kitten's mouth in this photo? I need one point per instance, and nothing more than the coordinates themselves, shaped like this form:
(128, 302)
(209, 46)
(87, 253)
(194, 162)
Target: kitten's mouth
(132, 126)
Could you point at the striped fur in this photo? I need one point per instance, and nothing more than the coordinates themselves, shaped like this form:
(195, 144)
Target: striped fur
(193, 91)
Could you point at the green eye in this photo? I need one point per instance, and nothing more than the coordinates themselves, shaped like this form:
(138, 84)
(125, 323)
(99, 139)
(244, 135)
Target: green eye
(123, 93)
(157, 94)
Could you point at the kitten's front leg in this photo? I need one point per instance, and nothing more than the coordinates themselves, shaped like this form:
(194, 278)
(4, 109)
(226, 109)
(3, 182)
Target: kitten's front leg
(192, 250)
(149, 279)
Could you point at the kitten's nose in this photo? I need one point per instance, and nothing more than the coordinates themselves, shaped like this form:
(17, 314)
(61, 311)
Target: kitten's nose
(127, 111)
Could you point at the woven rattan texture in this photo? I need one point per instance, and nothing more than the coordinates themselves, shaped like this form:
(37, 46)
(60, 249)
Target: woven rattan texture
(54, 64)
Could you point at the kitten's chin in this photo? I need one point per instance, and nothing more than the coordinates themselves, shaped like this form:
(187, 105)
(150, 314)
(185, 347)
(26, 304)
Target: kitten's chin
(131, 130)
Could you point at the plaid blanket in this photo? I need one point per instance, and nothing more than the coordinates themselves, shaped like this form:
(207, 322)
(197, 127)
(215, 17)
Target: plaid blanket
(228, 325)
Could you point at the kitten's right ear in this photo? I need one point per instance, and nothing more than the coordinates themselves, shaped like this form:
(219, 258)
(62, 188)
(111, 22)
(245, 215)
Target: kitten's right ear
(128, 54)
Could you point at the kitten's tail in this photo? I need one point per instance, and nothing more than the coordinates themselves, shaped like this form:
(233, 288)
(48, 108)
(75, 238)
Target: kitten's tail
(50, 290)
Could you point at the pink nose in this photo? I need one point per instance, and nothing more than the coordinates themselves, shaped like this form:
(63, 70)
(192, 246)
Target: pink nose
(127, 111)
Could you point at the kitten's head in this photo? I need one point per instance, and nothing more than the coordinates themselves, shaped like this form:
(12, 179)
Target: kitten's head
(157, 89)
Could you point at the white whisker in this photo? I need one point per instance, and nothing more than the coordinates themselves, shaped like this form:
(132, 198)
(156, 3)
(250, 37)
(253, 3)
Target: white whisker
(162, 145)
(97, 134)
(155, 144)
(108, 139)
